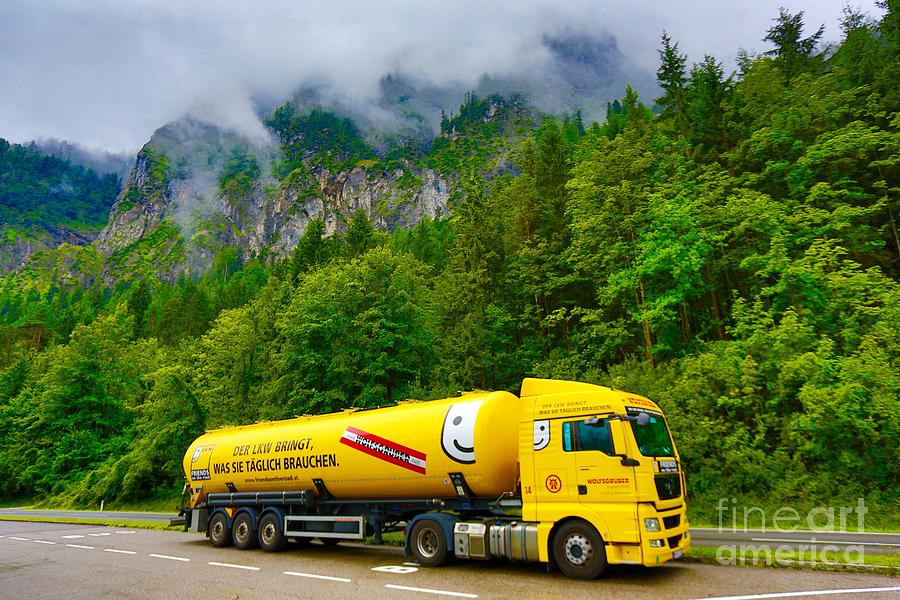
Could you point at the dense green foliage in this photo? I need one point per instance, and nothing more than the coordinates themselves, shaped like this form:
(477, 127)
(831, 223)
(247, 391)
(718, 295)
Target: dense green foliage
(45, 192)
(735, 258)
(331, 140)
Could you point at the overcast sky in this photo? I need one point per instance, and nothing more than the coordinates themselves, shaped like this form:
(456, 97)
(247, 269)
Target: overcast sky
(107, 73)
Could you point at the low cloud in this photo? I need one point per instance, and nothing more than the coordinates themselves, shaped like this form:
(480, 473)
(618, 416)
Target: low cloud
(107, 73)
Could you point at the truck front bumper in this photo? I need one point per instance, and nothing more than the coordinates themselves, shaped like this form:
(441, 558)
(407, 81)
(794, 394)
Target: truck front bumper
(672, 541)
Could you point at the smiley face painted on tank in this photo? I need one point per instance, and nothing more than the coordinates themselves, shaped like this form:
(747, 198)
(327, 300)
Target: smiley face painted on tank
(541, 434)
(458, 434)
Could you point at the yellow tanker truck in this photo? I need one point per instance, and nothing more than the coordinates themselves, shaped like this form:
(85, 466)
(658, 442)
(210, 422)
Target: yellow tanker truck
(572, 474)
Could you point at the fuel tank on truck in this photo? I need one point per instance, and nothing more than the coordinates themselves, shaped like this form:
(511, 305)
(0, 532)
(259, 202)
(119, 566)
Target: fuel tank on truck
(404, 451)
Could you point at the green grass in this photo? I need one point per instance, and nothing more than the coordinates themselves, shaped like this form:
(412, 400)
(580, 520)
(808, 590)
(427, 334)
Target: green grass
(106, 522)
(822, 561)
(883, 515)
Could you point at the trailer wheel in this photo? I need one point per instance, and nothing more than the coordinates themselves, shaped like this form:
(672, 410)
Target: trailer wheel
(219, 532)
(429, 545)
(243, 533)
(579, 551)
(271, 533)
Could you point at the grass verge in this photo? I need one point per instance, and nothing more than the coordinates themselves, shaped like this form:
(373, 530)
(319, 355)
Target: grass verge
(819, 561)
(105, 522)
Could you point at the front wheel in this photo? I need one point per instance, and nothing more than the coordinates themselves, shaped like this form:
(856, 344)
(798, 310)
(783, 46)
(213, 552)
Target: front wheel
(579, 551)
(219, 532)
(271, 533)
(428, 543)
(243, 533)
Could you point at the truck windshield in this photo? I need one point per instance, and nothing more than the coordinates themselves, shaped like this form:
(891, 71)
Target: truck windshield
(653, 439)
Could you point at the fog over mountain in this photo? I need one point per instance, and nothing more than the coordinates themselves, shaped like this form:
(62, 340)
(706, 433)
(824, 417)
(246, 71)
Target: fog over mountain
(106, 74)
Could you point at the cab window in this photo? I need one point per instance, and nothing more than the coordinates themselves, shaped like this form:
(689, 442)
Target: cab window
(578, 436)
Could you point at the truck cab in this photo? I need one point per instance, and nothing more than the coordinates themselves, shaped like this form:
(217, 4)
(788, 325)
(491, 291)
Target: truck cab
(599, 462)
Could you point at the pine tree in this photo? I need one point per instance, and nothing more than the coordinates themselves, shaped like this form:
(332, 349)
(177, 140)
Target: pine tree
(793, 53)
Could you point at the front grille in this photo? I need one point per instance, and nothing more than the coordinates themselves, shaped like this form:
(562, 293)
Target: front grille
(668, 486)
(672, 522)
(674, 541)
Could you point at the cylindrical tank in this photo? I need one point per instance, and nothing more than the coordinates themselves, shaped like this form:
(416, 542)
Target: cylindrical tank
(404, 451)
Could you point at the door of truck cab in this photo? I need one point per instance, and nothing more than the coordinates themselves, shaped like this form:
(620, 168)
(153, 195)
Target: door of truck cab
(602, 481)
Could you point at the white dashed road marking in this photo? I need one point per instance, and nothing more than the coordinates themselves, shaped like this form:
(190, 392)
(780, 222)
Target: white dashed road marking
(77, 546)
(44, 542)
(12, 537)
(313, 576)
(98, 534)
(72, 537)
(430, 591)
(230, 566)
(118, 551)
(167, 557)
(808, 593)
(125, 532)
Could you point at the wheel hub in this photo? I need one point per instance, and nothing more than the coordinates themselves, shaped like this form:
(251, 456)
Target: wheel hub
(268, 533)
(579, 550)
(427, 542)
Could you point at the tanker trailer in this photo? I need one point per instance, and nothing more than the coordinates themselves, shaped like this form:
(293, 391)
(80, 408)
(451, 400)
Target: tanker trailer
(482, 475)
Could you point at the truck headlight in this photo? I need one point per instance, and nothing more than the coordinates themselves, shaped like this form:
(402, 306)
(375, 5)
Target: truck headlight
(651, 524)
(657, 543)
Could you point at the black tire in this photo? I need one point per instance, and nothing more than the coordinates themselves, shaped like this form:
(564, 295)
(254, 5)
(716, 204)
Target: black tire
(219, 531)
(243, 534)
(271, 533)
(330, 542)
(579, 551)
(429, 544)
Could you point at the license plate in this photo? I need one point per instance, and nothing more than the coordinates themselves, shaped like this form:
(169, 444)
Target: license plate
(677, 554)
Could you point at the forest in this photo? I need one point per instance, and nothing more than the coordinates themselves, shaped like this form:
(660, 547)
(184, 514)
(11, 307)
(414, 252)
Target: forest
(729, 249)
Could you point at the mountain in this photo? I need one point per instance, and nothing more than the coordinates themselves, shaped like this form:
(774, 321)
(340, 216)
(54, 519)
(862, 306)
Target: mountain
(196, 188)
(46, 201)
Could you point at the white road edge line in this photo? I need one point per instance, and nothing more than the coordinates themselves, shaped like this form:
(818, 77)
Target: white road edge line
(79, 546)
(167, 557)
(429, 591)
(732, 531)
(824, 542)
(119, 551)
(44, 542)
(12, 537)
(313, 576)
(808, 593)
(231, 566)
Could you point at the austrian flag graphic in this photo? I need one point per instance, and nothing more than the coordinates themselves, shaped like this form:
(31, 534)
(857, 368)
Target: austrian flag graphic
(386, 450)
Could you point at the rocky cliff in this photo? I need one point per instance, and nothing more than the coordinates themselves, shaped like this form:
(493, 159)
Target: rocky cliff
(182, 218)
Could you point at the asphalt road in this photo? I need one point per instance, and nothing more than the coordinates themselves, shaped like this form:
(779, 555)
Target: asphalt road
(41, 560)
(870, 543)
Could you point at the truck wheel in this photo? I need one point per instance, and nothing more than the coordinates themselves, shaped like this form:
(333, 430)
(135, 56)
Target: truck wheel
(429, 546)
(271, 534)
(219, 532)
(579, 551)
(242, 533)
